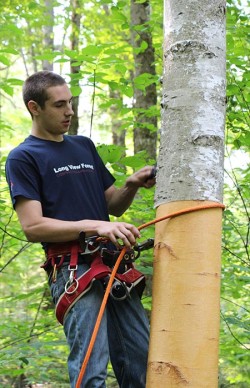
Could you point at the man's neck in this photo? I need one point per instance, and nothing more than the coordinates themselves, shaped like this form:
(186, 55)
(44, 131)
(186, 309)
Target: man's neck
(45, 135)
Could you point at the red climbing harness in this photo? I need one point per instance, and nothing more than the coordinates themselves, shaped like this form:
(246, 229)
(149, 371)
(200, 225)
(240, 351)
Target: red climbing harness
(125, 280)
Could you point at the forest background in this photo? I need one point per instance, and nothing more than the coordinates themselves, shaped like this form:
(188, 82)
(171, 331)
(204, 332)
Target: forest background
(111, 54)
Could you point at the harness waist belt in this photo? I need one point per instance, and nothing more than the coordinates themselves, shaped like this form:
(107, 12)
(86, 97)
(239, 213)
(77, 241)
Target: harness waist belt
(56, 253)
(75, 288)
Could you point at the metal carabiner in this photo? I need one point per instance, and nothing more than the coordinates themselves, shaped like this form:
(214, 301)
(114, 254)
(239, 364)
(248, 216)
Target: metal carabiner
(72, 272)
(54, 273)
(90, 246)
(72, 279)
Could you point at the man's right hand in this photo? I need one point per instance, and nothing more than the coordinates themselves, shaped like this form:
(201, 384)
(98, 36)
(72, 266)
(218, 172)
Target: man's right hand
(119, 233)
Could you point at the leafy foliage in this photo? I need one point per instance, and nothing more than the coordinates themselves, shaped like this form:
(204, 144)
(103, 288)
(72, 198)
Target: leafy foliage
(32, 344)
(235, 308)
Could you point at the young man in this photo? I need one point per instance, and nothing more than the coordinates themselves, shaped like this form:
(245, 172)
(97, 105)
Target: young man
(60, 188)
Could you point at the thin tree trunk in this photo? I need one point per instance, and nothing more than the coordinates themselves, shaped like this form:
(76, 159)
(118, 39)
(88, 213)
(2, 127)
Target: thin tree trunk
(75, 22)
(186, 284)
(145, 128)
(48, 32)
(118, 134)
(145, 124)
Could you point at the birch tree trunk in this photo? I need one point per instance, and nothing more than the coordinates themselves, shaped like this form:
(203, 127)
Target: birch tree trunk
(186, 284)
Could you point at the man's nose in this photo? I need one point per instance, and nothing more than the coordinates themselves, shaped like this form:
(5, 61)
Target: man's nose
(69, 111)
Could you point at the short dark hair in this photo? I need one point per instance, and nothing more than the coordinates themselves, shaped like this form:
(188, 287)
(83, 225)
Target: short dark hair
(35, 87)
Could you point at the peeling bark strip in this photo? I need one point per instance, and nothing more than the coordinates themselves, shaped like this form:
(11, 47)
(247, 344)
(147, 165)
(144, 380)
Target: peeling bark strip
(193, 102)
(185, 316)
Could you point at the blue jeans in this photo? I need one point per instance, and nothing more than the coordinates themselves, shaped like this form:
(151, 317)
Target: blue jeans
(123, 336)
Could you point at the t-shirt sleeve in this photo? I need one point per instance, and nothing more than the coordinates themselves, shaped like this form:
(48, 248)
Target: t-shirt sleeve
(23, 180)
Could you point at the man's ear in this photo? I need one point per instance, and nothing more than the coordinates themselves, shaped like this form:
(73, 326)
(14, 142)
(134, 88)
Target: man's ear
(34, 108)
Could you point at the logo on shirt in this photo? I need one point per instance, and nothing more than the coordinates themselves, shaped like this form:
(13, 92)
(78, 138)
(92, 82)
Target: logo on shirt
(73, 168)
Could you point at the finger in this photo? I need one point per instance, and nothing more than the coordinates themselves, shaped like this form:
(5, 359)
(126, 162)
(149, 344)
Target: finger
(149, 183)
(152, 174)
(125, 241)
(133, 230)
(127, 238)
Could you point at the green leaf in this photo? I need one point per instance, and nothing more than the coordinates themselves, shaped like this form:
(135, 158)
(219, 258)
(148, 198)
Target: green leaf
(71, 53)
(142, 48)
(75, 90)
(127, 90)
(232, 90)
(92, 51)
(9, 50)
(7, 88)
(144, 80)
(46, 56)
(136, 161)
(15, 81)
(24, 360)
(4, 60)
(110, 153)
(61, 60)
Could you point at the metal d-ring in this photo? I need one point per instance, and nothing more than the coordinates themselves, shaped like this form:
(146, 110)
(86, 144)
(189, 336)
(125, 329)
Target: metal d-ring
(69, 284)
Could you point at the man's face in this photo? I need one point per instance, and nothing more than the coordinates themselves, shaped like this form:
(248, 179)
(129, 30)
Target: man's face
(56, 115)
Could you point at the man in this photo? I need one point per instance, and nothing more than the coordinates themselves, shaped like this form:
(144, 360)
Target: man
(61, 188)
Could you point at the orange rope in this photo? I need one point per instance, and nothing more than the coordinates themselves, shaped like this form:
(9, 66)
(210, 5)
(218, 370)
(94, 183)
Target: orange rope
(113, 273)
(99, 318)
(184, 211)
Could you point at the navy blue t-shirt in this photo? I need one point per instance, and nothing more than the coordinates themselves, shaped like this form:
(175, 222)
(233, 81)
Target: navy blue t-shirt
(68, 177)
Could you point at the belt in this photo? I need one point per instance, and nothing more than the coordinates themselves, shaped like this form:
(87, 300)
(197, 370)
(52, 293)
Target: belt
(82, 259)
(72, 251)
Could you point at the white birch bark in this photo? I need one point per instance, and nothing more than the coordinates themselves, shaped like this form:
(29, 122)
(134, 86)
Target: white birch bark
(190, 164)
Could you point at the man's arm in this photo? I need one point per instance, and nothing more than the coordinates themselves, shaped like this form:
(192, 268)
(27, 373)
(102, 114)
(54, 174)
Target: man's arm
(43, 229)
(119, 200)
